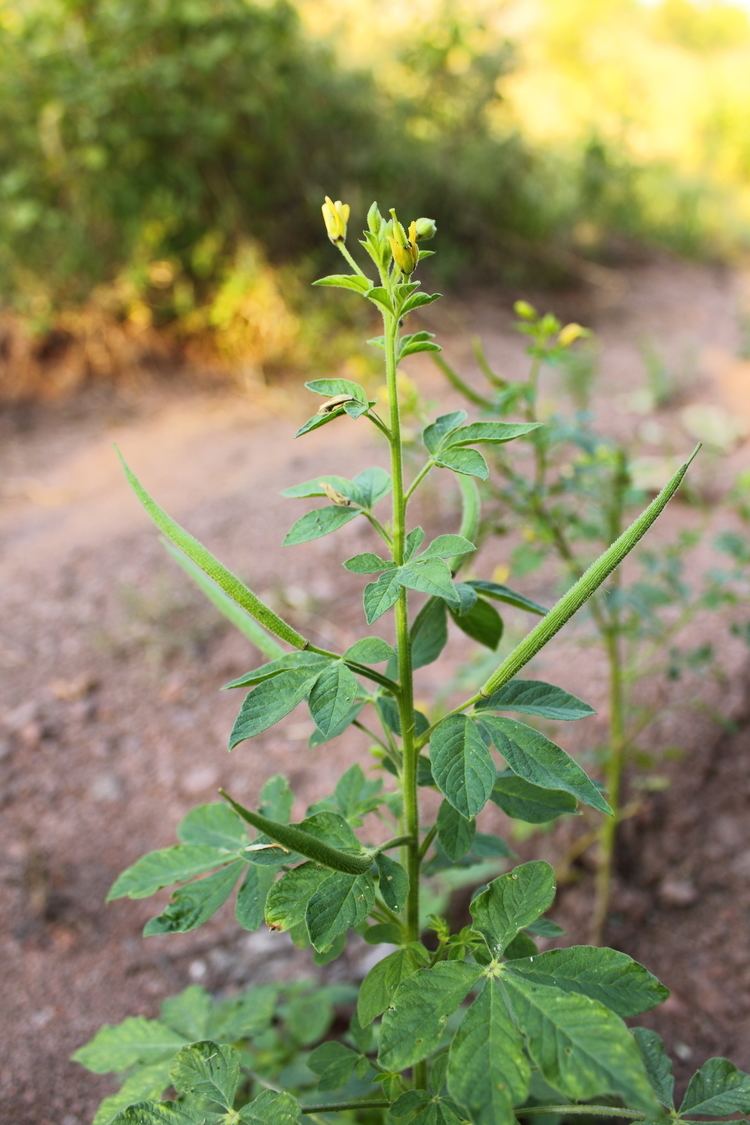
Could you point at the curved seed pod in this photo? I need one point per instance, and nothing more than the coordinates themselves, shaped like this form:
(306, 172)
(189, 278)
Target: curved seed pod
(297, 840)
(586, 585)
(470, 506)
(232, 586)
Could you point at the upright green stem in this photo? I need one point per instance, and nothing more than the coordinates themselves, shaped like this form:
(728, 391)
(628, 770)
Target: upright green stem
(403, 646)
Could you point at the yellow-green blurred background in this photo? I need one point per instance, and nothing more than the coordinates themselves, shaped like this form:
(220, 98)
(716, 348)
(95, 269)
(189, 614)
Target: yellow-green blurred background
(162, 162)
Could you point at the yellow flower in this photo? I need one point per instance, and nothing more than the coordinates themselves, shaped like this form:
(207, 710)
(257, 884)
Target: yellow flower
(335, 217)
(570, 333)
(403, 246)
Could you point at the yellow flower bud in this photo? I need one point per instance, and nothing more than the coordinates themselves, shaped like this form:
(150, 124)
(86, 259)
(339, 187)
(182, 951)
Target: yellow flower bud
(570, 333)
(403, 246)
(524, 310)
(335, 217)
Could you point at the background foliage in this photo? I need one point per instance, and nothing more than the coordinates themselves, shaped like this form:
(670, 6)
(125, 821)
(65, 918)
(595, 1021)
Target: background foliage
(162, 162)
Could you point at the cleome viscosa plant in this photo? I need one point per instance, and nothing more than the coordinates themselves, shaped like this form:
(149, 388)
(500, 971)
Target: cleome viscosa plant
(449, 1027)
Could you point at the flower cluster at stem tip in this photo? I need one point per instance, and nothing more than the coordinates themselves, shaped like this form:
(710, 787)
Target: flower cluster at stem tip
(402, 243)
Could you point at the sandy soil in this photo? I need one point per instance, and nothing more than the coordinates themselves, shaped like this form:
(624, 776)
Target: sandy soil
(111, 725)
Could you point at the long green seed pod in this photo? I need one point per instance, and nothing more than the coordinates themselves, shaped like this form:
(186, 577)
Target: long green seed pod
(586, 585)
(470, 505)
(224, 579)
(297, 840)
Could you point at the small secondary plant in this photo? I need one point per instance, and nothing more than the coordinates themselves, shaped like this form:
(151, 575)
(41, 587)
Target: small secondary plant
(574, 493)
(452, 1025)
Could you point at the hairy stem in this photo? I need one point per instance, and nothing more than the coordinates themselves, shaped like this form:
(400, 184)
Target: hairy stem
(582, 1111)
(410, 825)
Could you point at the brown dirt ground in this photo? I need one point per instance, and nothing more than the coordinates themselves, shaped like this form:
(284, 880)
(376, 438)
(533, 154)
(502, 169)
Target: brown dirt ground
(111, 729)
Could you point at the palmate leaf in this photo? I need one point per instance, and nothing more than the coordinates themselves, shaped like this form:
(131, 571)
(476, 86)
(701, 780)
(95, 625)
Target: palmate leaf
(536, 759)
(582, 1048)
(462, 765)
(512, 902)
(488, 1070)
(534, 697)
(606, 975)
(414, 1023)
(716, 1090)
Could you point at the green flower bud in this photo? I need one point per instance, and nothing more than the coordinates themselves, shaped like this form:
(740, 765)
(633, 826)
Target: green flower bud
(374, 219)
(524, 310)
(426, 229)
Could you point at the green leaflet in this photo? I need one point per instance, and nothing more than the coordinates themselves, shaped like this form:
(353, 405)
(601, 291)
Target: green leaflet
(289, 661)
(414, 1024)
(213, 826)
(488, 1071)
(512, 902)
(509, 597)
(296, 839)
(287, 899)
(533, 697)
(271, 701)
(658, 1064)
(455, 832)
(716, 1090)
(188, 1012)
(339, 281)
(380, 984)
(469, 462)
(582, 1049)
(392, 881)
(542, 762)
(447, 547)
(523, 801)
(168, 865)
(340, 903)
(429, 633)
(319, 522)
(369, 650)
(334, 1064)
(606, 975)
(145, 1083)
(429, 576)
(462, 765)
(191, 906)
(270, 1108)
(354, 796)
(209, 1072)
(493, 433)
(159, 1113)
(587, 584)
(332, 697)
(135, 1040)
(379, 596)
(244, 1016)
(231, 585)
(434, 434)
(481, 622)
(418, 1107)
(368, 563)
